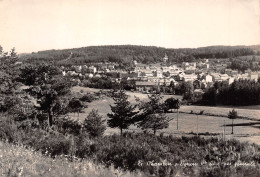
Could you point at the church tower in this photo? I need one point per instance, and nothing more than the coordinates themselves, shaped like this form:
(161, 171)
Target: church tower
(165, 58)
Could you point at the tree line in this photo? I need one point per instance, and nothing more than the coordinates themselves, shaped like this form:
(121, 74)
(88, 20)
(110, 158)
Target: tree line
(239, 93)
(245, 64)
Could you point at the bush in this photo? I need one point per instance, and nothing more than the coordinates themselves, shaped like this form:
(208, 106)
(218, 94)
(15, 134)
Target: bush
(54, 144)
(9, 131)
(87, 98)
(83, 146)
(66, 125)
(94, 125)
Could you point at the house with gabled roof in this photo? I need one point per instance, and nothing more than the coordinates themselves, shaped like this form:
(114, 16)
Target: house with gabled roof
(145, 86)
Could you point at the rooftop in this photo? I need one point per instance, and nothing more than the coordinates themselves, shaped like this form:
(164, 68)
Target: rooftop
(145, 84)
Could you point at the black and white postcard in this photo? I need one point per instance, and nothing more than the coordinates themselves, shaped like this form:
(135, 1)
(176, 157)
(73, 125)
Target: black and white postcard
(133, 88)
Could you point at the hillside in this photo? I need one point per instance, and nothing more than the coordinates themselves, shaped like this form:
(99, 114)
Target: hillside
(20, 161)
(144, 54)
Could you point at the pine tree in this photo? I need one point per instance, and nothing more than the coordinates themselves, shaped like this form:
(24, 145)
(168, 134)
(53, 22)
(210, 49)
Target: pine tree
(94, 124)
(13, 53)
(155, 122)
(232, 115)
(152, 116)
(123, 112)
(49, 91)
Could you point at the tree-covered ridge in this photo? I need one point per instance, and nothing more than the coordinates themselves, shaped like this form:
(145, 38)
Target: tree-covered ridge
(142, 54)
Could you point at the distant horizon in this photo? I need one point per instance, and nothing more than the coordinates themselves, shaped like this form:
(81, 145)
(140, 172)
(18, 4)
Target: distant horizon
(34, 25)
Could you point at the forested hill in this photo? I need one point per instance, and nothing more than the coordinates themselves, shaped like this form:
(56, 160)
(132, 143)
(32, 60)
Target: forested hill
(142, 54)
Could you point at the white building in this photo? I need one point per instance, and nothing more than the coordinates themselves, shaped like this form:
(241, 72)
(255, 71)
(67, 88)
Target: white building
(84, 68)
(208, 78)
(165, 69)
(253, 76)
(190, 77)
(216, 77)
(153, 79)
(145, 73)
(243, 76)
(77, 69)
(148, 73)
(72, 73)
(173, 67)
(185, 65)
(165, 81)
(159, 74)
(92, 69)
(231, 80)
(224, 77)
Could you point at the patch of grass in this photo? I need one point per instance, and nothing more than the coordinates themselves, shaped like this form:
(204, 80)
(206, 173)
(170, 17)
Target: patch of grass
(223, 111)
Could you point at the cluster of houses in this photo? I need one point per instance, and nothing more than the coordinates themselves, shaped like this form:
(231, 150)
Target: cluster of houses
(202, 73)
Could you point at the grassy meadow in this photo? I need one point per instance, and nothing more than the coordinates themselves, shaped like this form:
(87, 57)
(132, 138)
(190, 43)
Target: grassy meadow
(246, 127)
(243, 112)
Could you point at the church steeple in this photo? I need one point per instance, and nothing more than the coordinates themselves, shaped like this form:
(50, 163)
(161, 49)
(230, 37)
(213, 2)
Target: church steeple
(165, 59)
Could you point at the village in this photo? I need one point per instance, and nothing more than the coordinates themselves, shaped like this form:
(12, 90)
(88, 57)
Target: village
(130, 88)
(148, 77)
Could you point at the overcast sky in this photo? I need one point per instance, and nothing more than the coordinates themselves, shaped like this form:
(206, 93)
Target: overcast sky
(33, 25)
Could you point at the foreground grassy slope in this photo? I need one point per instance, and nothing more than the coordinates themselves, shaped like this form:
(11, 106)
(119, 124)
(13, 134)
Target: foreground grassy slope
(21, 161)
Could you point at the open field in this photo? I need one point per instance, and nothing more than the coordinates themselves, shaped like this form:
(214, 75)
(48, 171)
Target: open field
(211, 121)
(19, 161)
(250, 112)
(256, 107)
(223, 111)
(103, 104)
(132, 95)
(245, 130)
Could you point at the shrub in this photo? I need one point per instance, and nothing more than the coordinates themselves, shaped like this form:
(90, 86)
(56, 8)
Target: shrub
(93, 124)
(9, 131)
(54, 144)
(83, 146)
(66, 125)
(87, 98)
(201, 112)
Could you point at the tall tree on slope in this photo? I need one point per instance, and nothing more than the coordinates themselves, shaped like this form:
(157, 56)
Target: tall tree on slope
(123, 112)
